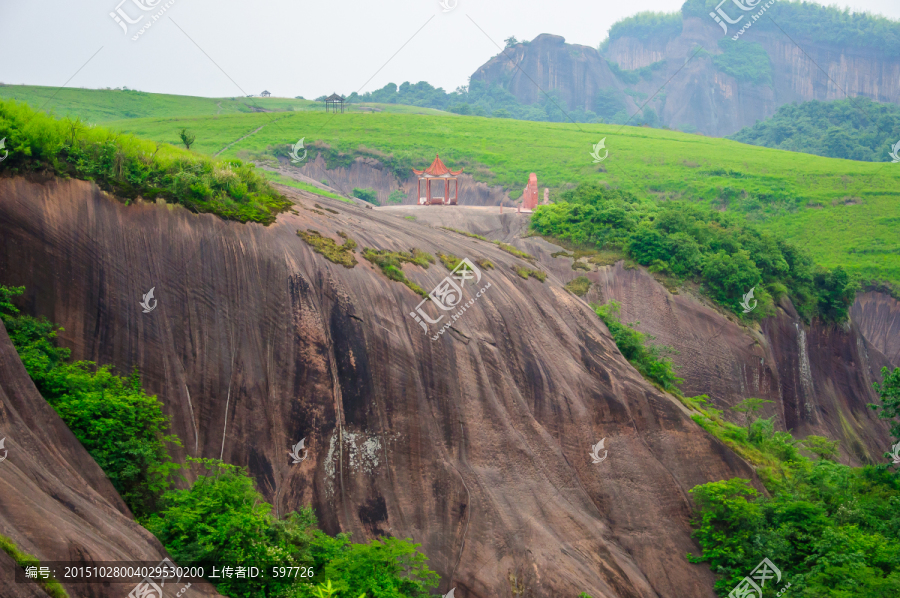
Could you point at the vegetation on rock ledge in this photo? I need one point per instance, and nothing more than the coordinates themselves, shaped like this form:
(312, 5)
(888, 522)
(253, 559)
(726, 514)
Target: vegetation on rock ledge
(130, 167)
(339, 254)
(684, 241)
(391, 264)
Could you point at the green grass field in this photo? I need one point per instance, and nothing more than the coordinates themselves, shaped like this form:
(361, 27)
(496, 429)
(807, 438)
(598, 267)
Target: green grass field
(102, 106)
(843, 212)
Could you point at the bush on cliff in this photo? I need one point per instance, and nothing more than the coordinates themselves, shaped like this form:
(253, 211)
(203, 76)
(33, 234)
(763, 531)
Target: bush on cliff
(222, 518)
(122, 427)
(130, 167)
(724, 254)
(830, 529)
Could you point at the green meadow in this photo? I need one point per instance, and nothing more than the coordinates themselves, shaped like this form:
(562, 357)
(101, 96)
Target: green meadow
(104, 105)
(842, 212)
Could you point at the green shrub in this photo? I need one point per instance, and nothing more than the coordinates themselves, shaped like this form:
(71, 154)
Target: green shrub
(648, 24)
(745, 61)
(369, 195)
(396, 196)
(650, 361)
(122, 428)
(130, 167)
(889, 391)
(222, 518)
(831, 529)
(579, 286)
(725, 254)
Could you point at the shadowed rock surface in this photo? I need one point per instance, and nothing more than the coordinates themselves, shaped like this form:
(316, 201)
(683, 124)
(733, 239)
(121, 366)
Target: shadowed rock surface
(55, 502)
(819, 376)
(476, 445)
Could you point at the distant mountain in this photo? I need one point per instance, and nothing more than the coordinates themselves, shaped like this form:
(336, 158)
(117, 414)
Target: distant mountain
(683, 69)
(852, 129)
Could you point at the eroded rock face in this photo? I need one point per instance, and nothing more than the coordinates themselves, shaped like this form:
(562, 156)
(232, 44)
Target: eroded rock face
(819, 377)
(55, 501)
(475, 445)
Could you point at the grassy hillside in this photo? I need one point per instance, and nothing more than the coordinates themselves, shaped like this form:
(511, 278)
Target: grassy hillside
(102, 105)
(842, 212)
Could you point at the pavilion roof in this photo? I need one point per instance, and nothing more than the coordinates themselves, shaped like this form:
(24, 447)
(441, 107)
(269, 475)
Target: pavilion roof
(334, 98)
(437, 168)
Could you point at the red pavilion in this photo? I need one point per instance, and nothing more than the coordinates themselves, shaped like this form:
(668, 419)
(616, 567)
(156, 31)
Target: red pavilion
(438, 171)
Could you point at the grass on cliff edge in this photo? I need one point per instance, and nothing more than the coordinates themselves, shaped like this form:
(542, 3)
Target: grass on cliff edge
(130, 167)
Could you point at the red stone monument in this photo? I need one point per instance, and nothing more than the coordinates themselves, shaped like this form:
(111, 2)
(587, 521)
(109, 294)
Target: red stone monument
(437, 171)
(530, 195)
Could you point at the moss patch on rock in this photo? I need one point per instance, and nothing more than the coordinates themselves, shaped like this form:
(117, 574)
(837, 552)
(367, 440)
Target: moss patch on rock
(339, 254)
(579, 286)
(391, 264)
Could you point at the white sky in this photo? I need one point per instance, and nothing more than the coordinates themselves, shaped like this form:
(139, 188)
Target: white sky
(291, 48)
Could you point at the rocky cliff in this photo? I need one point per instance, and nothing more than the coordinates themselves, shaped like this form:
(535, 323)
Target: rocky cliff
(55, 502)
(475, 445)
(695, 93)
(819, 377)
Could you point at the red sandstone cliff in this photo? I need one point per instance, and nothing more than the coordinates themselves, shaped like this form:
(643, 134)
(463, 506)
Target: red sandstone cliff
(696, 94)
(475, 445)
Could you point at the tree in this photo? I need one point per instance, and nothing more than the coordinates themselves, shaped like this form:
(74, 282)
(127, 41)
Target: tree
(187, 138)
(749, 407)
(369, 195)
(223, 518)
(821, 447)
(889, 390)
(511, 41)
(396, 196)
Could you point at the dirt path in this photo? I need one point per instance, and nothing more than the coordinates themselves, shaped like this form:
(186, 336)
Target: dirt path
(253, 132)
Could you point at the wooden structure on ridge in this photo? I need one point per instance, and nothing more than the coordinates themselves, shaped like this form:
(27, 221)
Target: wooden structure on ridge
(265, 94)
(437, 171)
(333, 100)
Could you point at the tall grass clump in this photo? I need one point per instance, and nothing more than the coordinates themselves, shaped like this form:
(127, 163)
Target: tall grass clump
(129, 167)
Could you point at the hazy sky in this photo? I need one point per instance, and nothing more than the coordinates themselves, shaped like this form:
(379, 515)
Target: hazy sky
(291, 48)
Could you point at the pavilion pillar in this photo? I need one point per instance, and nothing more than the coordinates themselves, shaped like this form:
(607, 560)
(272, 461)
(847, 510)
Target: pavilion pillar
(428, 191)
(446, 191)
